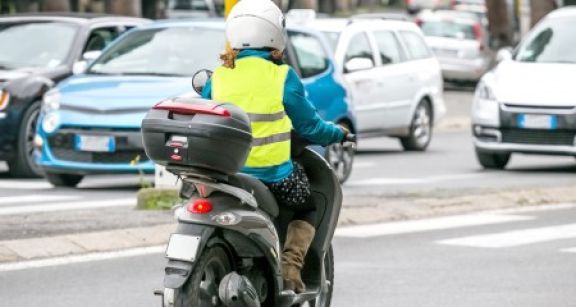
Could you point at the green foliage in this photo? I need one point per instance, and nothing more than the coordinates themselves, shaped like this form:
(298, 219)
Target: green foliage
(157, 199)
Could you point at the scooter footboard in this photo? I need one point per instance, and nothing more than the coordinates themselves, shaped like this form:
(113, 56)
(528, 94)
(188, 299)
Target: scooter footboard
(181, 257)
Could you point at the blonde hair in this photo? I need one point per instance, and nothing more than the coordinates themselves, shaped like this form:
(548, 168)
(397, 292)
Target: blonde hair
(229, 56)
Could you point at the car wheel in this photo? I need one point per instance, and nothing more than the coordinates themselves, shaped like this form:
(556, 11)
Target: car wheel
(341, 158)
(420, 129)
(492, 160)
(23, 164)
(64, 180)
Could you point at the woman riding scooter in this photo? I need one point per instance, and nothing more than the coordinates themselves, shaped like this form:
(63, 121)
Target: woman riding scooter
(254, 78)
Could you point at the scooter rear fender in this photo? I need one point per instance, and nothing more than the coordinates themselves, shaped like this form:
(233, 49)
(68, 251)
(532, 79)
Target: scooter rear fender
(178, 271)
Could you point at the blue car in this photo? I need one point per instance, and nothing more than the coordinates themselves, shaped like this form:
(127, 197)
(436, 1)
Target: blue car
(90, 123)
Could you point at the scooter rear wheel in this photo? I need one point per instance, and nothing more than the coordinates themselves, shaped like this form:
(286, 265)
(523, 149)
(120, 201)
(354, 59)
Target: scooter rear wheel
(201, 289)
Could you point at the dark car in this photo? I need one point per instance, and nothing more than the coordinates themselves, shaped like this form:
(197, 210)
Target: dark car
(36, 52)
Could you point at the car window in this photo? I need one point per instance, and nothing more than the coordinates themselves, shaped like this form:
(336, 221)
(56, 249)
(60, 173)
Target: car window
(359, 47)
(552, 42)
(178, 51)
(388, 47)
(416, 46)
(31, 44)
(310, 55)
(448, 29)
(100, 38)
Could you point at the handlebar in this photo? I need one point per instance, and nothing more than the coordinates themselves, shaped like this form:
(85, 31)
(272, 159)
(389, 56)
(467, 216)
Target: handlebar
(350, 138)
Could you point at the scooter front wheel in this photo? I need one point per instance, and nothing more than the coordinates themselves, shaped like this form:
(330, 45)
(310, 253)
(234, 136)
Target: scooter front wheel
(201, 289)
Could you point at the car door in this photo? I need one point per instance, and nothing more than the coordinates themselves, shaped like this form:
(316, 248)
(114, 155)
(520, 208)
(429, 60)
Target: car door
(422, 69)
(310, 58)
(393, 83)
(362, 83)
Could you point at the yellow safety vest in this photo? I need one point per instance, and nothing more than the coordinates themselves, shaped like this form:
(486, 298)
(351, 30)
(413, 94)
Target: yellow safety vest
(257, 87)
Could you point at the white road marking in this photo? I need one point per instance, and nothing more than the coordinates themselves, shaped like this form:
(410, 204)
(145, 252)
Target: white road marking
(36, 198)
(569, 250)
(374, 230)
(516, 237)
(58, 261)
(406, 181)
(363, 164)
(123, 202)
(24, 185)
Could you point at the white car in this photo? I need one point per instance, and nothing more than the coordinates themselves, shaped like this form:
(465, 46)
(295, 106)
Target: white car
(527, 104)
(393, 78)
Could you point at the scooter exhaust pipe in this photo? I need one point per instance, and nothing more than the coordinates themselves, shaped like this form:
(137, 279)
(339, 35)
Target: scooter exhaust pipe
(236, 290)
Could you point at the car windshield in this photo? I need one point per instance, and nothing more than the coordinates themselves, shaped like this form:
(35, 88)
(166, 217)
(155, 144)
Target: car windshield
(35, 44)
(448, 29)
(179, 51)
(552, 42)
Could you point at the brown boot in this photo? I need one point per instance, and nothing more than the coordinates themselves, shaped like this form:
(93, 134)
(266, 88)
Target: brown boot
(300, 235)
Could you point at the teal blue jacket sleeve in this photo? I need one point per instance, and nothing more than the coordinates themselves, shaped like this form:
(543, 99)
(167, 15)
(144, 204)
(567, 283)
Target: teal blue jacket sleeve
(207, 90)
(305, 120)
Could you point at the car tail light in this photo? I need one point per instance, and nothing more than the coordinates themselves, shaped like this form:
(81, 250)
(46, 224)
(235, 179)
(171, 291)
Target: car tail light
(477, 28)
(418, 22)
(200, 206)
(4, 99)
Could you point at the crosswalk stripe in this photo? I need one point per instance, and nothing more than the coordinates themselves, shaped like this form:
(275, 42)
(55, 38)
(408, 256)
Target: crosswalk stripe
(365, 231)
(124, 202)
(406, 181)
(24, 185)
(36, 198)
(516, 237)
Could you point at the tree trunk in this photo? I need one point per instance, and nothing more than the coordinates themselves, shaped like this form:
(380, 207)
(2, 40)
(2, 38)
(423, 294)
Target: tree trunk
(125, 7)
(304, 4)
(327, 6)
(23, 6)
(498, 24)
(342, 5)
(539, 9)
(55, 5)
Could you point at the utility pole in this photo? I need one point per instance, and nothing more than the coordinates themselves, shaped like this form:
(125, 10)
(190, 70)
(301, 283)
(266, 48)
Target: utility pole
(540, 8)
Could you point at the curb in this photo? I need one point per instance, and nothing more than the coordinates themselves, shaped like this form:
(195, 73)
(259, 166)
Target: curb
(78, 244)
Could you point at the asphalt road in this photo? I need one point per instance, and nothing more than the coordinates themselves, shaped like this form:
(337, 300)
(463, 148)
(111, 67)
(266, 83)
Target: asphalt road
(500, 259)
(32, 208)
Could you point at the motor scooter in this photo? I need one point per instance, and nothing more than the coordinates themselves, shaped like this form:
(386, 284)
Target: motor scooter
(226, 250)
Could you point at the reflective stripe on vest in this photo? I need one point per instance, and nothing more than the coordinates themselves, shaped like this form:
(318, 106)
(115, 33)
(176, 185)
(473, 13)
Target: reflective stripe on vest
(257, 87)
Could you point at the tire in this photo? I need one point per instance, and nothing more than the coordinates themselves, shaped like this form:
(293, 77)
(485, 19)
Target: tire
(201, 289)
(325, 298)
(23, 165)
(341, 158)
(493, 160)
(420, 129)
(63, 180)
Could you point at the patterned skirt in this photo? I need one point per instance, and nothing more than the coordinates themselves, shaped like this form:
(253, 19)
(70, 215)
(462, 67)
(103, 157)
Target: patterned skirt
(294, 191)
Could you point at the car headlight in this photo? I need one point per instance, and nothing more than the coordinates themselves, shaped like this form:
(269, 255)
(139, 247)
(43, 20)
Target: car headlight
(4, 99)
(51, 100)
(50, 122)
(485, 110)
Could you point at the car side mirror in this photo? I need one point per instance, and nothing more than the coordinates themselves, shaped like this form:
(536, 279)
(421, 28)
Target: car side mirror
(357, 64)
(200, 79)
(87, 58)
(504, 54)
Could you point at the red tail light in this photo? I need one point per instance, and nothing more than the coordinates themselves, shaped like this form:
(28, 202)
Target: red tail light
(191, 109)
(200, 206)
(477, 28)
(418, 22)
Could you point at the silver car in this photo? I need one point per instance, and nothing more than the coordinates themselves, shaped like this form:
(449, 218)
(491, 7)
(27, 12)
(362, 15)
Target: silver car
(460, 44)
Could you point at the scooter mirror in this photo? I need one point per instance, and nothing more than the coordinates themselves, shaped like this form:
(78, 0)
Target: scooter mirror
(200, 79)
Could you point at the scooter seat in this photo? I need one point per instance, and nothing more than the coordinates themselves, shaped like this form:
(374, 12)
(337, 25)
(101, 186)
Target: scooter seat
(265, 198)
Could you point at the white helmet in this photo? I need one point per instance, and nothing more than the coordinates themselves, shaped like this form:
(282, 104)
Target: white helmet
(256, 24)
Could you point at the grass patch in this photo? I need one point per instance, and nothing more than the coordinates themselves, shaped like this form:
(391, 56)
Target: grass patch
(157, 199)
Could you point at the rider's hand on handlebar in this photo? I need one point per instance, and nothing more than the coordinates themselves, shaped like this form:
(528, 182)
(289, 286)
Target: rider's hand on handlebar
(348, 136)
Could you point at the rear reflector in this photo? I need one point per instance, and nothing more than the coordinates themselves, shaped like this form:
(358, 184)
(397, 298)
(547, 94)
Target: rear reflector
(191, 109)
(200, 206)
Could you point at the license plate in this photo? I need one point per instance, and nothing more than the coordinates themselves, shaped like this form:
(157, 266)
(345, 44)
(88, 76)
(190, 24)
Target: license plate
(95, 143)
(536, 121)
(183, 247)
